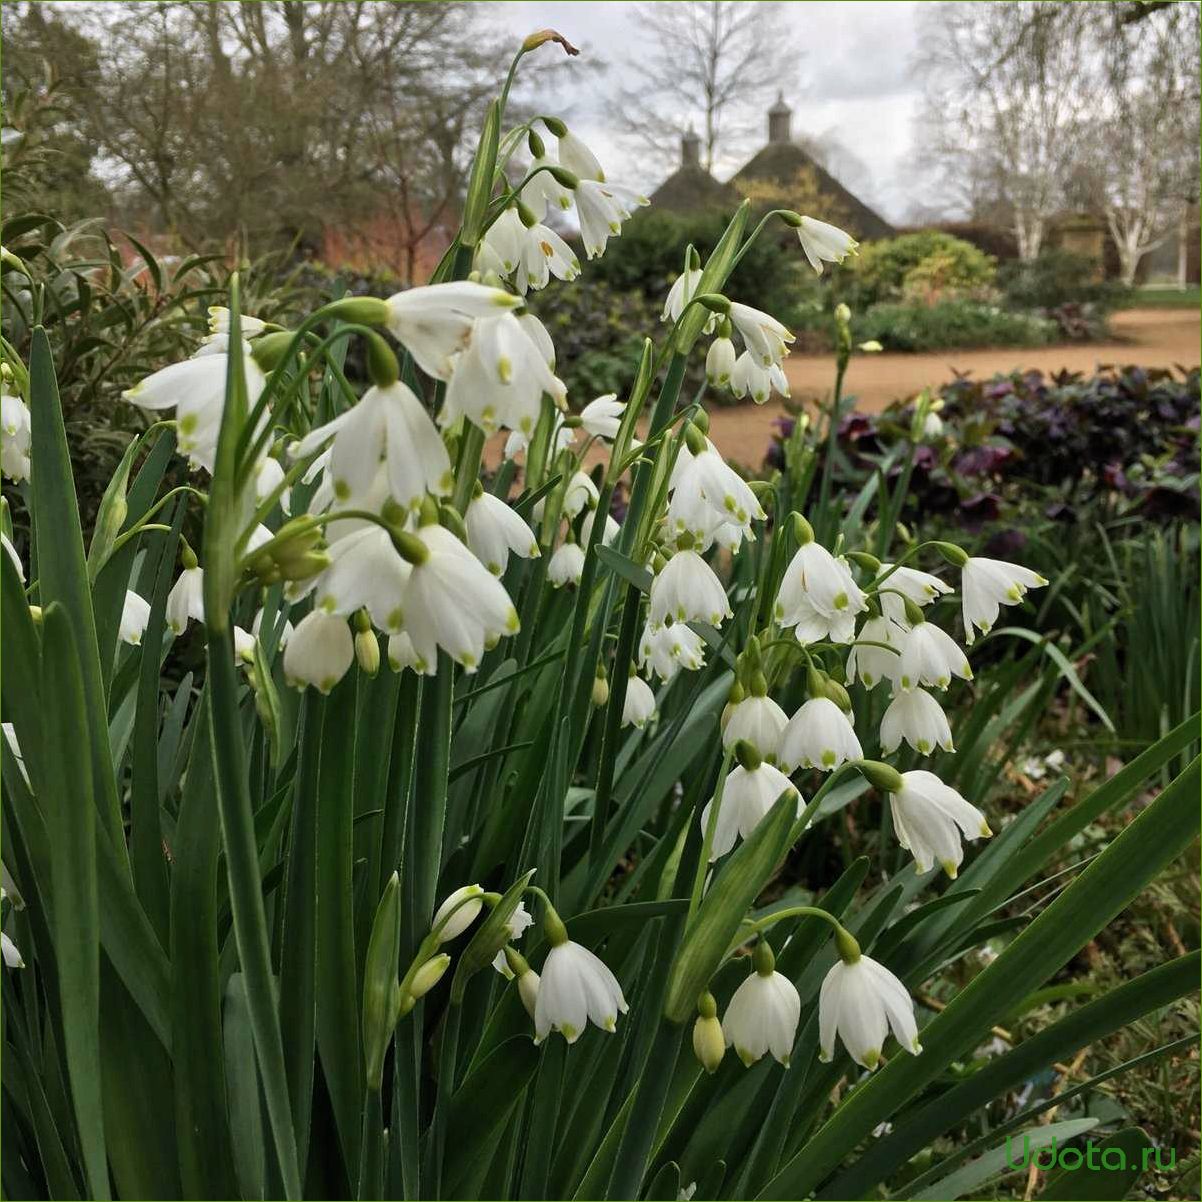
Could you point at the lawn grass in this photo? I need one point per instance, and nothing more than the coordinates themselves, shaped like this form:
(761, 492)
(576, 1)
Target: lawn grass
(1165, 297)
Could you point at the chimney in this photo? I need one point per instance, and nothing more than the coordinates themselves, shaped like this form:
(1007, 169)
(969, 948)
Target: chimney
(690, 148)
(779, 116)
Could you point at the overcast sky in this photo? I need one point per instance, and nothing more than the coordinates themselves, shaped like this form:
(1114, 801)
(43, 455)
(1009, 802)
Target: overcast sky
(854, 79)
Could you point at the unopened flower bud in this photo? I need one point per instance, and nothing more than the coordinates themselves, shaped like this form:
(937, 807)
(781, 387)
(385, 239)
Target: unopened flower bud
(429, 975)
(838, 694)
(536, 145)
(367, 646)
(564, 177)
(540, 38)
(802, 530)
(749, 758)
(268, 349)
(600, 693)
(709, 1044)
(701, 420)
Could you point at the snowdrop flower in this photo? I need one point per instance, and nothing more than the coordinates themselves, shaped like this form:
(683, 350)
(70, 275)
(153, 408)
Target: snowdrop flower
(688, 590)
(988, 584)
(566, 566)
(244, 645)
(918, 718)
(516, 925)
(499, 380)
(751, 790)
(753, 379)
(256, 628)
(494, 530)
(10, 952)
(874, 664)
(575, 987)
(638, 707)
(920, 587)
(602, 417)
(819, 736)
(932, 425)
(930, 657)
(135, 613)
(821, 241)
(544, 254)
(269, 475)
(930, 818)
(602, 207)
(667, 649)
(388, 424)
(458, 919)
(14, 435)
(581, 491)
(537, 333)
(815, 577)
(185, 602)
(505, 238)
(401, 655)
(720, 362)
(763, 335)
(763, 1014)
(195, 389)
(544, 191)
(758, 721)
(366, 572)
(319, 652)
(706, 476)
(11, 552)
(435, 321)
(219, 322)
(681, 292)
(860, 1000)
(608, 532)
(577, 157)
(452, 601)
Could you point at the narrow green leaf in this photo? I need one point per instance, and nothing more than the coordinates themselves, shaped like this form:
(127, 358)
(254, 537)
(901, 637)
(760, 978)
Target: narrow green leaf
(1111, 1171)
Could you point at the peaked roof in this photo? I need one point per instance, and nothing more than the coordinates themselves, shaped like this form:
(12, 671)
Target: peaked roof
(691, 189)
(781, 162)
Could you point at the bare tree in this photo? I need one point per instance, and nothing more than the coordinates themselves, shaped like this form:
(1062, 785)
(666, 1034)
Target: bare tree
(1006, 97)
(711, 65)
(1143, 147)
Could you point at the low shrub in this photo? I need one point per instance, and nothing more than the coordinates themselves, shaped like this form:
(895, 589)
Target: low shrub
(925, 262)
(1058, 278)
(948, 324)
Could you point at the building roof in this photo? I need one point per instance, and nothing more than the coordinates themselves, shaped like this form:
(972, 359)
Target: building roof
(691, 189)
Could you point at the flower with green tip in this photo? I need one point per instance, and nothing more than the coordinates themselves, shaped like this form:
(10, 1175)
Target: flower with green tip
(763, 1014)
(819, 735)
(495, 531)
(860, 1002)
(988, 584)
(320, 651)
(931, 819)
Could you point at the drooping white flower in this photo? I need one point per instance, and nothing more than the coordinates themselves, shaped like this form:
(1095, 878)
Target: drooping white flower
(919, 719)
(749, 793)
(681, 292)
(452, 601)
(874, 664)
(819, 735)
(705, 475)
(537, 333)
(434, 322)
(494, 530)
(505, 238)
(185, 602)
(930, 656)
(319, 652)
(602, 417)
(762, 1017)
(401, 655)
(566, 565)
(366, 572)
(500, 378)
(860, 1001)
(758, 721)
(988, 584)
(638, 707)
(459, 918)
(817, 577)
(688, 590)
(219, 322)
(544, 254)
(581, 491)
(930, 818)
(516, 926)
(14, 435)
(720, 362)
(388, 425)
(602, 207)
(821, 241)
(932, 425)
(763, 335)
(576, 987)
(812, 625)
(667, 649)
(920, 587)
(195, 389)
(269, 475)
(10, 952)
(135, 613)
(609, 531)
(256, 628)
(244, 645)
(544, 191)
(756, 380)
(577, 157)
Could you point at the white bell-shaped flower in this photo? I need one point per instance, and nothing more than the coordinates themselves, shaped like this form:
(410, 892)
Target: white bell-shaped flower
(720, 363)
(638, 706)
(821, 241)
(244, 645)
(749, 793)
(815, 579)
(269, 475)
(495, 530)
(681, 292)
(566, 565)
(195, 389)
(500, 378)
(401, 655)
(758, 721)
(135, 614)
(544, 191)
(581, 491)
(366, 572)
(609, 531)
(577, 157)
(544, 254)
(988, 584)
(920, 587)
(667, 649)
(185, 602)
(859, 1002)
(751, 378)
(14, 435)
(388, 424)
(919, 719)
(874, 664)
(537, 333)
(576, 987)
(452, 601)
(763, 335)
(930, 818)
(602, 207)
(505, 239)
(602, 416)
(319, 652)
(819, 735)
(763, 1014)
(285, 632)
(219, 322)
(458, 916)
(688, 590)
(705, 475)
(931, 657)
(435, 321)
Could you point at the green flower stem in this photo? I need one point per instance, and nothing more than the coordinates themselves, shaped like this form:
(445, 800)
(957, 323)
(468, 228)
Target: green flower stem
(467, 470)
(832, 442)
(755, 233)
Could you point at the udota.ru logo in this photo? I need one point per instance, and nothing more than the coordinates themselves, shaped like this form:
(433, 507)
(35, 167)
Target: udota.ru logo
(1092, 1156)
